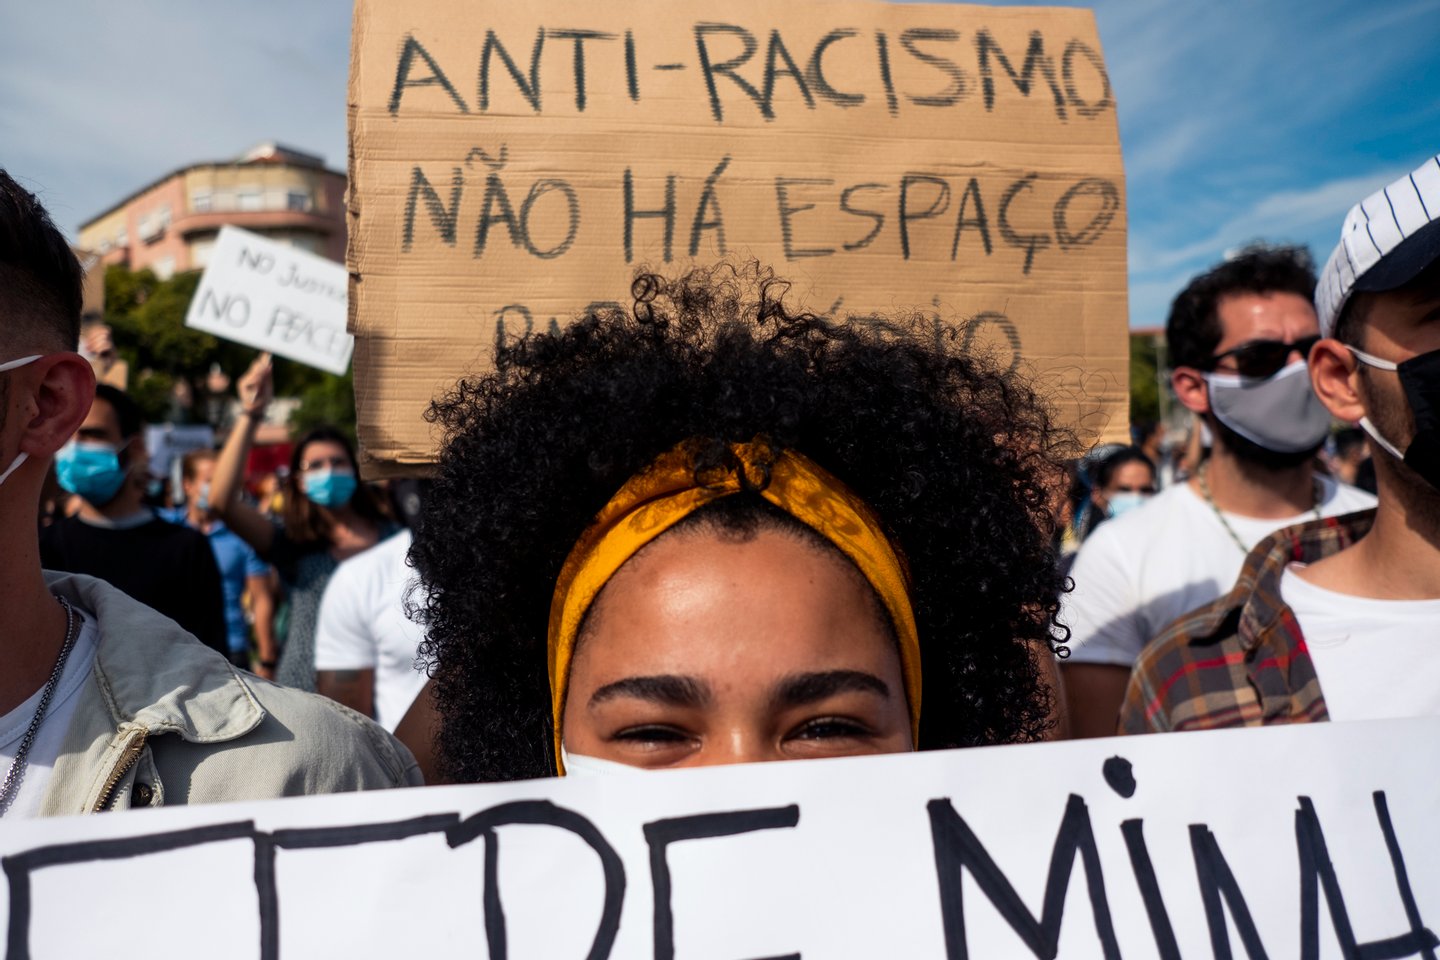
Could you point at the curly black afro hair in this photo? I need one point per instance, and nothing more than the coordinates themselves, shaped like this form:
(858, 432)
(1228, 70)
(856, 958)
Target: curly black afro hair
(957, 457)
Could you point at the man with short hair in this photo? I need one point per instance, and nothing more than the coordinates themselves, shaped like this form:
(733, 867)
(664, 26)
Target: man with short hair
(119, 539)
(1339, 618)
(1238, 336)
(105, 704)
(242, 572)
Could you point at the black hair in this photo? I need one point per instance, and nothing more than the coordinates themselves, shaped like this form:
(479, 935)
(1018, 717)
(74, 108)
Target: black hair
(956, 457)
(1143, 430)
(1192, 331)
(1348, 440)
(1105, 471)
(127, 411)
(40, 279)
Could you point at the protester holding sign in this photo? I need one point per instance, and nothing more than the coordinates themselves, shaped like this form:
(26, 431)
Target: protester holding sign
(329, 516)
(749, 534)
(1339, 618)
(104, 703)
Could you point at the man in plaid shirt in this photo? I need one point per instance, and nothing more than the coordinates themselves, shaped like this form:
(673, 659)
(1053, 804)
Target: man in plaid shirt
(1338, 619)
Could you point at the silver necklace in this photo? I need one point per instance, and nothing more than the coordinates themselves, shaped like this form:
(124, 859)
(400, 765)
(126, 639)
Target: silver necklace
(1210, 499)
(17, 766)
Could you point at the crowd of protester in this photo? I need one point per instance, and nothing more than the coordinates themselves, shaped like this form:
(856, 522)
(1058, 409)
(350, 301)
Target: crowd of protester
(712, 528)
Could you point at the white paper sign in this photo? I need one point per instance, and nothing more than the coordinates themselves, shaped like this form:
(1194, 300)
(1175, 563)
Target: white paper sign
(274, 297)
(1308, 842)
(167, 443)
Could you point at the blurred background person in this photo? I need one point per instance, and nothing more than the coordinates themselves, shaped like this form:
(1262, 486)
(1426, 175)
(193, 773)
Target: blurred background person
(1238, 336)
(365, 643)
(242, 572)
(329, 516)
(116, 537)
(1348, 459)
(97, 344)
(1122, 481)
(1151, 438)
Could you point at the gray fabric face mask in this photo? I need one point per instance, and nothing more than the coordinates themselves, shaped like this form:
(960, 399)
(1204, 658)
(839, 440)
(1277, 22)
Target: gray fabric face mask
(1281, 413)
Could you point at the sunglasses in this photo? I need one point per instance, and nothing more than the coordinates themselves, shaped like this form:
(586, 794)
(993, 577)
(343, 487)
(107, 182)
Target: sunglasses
(1261, 359)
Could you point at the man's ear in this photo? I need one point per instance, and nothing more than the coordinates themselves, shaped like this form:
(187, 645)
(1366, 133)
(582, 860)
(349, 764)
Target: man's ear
(1335, 376)
(61, 389)
(1191, 389)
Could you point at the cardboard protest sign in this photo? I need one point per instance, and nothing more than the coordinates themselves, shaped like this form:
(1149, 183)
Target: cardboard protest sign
(1308, 841)
(274, 297)
(513, 163)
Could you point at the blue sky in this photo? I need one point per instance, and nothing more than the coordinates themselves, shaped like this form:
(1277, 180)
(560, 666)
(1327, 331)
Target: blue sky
(1238, 120)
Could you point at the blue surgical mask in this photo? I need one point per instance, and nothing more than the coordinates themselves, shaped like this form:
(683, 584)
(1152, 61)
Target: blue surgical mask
(202, 498)
(328, 488)
(1125, 502)
(91, 470)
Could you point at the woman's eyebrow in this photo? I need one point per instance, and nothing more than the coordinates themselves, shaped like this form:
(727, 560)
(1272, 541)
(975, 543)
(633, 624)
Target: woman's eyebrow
(665, 689)
(802, 688)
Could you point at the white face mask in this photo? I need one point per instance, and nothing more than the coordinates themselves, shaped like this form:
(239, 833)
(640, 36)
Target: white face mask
(21, 456)
(587, 767)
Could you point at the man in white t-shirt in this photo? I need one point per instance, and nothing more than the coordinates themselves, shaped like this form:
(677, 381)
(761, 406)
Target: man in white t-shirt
(1338, 619)
(104, 703)
(1238, 337)
(365, 645)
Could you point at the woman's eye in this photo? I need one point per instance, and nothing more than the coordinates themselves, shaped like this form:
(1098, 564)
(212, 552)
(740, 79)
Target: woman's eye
(829, 728)
(650, 734)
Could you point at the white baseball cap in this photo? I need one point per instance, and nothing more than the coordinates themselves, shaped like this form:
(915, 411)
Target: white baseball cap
(1387, 239)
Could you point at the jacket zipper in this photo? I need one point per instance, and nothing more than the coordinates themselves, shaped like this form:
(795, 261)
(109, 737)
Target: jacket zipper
(127, 760)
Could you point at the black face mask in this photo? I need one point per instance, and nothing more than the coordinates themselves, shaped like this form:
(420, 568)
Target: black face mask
(1420, 379)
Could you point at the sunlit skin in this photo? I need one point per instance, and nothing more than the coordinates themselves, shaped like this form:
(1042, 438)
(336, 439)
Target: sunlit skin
(706, 650)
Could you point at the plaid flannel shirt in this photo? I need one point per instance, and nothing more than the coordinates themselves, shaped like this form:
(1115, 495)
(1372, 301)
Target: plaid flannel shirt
(1241, 659)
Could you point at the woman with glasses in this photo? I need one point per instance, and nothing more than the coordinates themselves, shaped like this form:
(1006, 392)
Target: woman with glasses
(328, 516)
(710, 529)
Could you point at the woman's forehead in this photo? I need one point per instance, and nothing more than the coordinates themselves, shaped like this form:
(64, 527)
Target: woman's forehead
(705, 602)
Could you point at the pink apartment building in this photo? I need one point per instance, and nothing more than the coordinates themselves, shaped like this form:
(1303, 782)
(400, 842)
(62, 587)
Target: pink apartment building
(171, 225)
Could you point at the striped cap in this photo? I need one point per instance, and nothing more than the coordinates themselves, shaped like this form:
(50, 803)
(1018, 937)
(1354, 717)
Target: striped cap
(1387, 239)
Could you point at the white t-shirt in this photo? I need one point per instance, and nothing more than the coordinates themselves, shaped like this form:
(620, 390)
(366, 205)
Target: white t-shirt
(45, 749)
(1140, 572)
(362, 626)
(1376, 659)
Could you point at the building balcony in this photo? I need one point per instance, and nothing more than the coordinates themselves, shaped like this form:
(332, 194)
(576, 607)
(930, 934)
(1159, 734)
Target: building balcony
(258, 220)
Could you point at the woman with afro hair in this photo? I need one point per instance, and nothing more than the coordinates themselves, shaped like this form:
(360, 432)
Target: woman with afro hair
(710, 530)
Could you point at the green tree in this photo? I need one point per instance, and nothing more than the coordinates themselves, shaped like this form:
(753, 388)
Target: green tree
(1144, 383)
(147, 317)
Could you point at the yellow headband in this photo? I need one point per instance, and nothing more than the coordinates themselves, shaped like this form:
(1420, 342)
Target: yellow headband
(667, 492)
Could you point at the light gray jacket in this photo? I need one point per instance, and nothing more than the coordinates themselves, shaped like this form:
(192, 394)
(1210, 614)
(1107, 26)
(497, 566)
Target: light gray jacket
(163, 720)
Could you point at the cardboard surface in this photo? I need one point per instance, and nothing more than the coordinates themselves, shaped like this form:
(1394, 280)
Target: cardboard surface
(274, 297)
(512, 163)
(1309, 841)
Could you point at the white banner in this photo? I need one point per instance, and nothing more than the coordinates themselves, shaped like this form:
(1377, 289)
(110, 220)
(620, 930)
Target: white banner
(1305, 842)
(274, 297)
